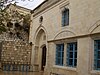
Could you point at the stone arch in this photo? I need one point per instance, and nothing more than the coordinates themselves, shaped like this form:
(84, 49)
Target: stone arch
(40, 47)
(39, 30)
(94, 28)
(43, 45)
(64, 34)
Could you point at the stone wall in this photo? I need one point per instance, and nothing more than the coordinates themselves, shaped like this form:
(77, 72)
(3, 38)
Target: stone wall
(16, 56)
(16, 52)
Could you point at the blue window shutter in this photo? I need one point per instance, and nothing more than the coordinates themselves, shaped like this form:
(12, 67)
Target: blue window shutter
(62, 18)
(68, 48)
(96, 53)
(65, 17)
(59, 54)
(62, 54)
(71, 54)
(56, 54)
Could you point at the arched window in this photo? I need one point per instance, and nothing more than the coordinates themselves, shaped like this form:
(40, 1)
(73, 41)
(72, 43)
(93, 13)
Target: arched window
(65, 17)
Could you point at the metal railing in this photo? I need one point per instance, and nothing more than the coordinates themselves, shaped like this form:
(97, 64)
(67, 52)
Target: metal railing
(16, 67)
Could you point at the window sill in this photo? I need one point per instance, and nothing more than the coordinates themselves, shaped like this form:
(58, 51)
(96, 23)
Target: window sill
(65, 67)
(65, 25)
(95, 72)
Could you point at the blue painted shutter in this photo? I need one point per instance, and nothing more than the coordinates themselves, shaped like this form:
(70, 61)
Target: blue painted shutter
(67, 17)
(56, 55)
(95, 54)
(59, 54)
(68, 48)
(62, 54)
(63, 18)
(75, 55)
(71, 54)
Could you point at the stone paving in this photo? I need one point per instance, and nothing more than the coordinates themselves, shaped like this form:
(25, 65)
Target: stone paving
(20, 73)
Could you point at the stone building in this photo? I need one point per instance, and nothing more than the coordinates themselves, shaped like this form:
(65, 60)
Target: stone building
(15, 49)
(65, 36)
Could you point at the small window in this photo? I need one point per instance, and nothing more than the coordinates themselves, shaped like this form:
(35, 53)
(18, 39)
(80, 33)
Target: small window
(41, 19)
(97, 54)
(72, 54)
(65, 17)
(59, 54)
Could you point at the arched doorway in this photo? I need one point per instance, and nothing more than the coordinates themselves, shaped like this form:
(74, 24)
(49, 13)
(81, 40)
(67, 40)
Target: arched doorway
(43, 61)
(40, 49)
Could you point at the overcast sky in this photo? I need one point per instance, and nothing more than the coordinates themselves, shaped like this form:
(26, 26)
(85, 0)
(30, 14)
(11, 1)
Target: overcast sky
(29, 4)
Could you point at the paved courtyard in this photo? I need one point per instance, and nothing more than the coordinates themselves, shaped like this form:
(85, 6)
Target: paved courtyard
(20, 73)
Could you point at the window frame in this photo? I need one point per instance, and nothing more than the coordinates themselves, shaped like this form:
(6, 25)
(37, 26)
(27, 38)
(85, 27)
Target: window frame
(65, 17)
(62, 55)
(68, 58)
(96, 54)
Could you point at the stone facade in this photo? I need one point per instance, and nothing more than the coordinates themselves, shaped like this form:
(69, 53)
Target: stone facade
(83, 28)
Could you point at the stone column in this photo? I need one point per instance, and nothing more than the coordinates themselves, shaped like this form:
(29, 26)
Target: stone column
(34, 58)
(83, 55)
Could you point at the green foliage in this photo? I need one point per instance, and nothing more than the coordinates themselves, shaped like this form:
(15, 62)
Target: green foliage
(6, 17)
(2, 29)
(26, 19)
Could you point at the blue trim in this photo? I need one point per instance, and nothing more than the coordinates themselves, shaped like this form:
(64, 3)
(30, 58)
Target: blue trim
(65, 17)
(59, 54)
(96, 58)
(71, 52)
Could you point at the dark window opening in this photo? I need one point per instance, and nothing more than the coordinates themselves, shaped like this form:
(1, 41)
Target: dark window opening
(65, 17)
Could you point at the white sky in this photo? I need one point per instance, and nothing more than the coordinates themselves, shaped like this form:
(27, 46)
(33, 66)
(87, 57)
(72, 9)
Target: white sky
(29, 4)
